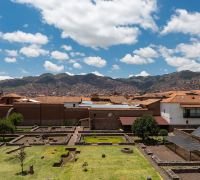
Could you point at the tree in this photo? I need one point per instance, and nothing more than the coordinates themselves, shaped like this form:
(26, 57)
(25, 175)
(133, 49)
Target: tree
(6, 126)
(16, 118)
(145, 126)
(21, 157)
(163, 133)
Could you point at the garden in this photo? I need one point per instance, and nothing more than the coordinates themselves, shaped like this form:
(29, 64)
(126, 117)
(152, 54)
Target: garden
(104, 162)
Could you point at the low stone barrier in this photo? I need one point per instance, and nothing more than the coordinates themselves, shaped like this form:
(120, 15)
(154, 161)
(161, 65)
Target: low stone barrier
(172, 175)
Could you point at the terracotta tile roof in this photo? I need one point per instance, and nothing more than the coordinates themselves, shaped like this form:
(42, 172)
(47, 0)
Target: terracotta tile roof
(144, 102)
(127, 121)
(58, 100)
(12, 95)
(183, 99)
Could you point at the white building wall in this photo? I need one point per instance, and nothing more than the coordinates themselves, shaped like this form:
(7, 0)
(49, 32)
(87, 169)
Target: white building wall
(173, 113)
(71, 104)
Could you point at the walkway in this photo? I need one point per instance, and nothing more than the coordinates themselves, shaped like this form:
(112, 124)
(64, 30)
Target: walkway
(74, 136)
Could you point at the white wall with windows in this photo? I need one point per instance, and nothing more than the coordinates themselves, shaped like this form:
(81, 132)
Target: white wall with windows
(174, 114)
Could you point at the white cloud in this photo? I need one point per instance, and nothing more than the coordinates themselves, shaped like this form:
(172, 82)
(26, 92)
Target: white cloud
(142, 73)
(135, 59)
(141, 56)
(33, 51)
(49, 66)
(10, 59)
(59, 55)
(146, 52)
(97, 73)
(115, 67)
(74, 54)
(183, 57)
(189, 50)
(5, 78)
(99, 24)
(183, 22)
(12, 53)
(66, 47)
(70, 74)
(77, 66)
(22, 37)
(95, 61)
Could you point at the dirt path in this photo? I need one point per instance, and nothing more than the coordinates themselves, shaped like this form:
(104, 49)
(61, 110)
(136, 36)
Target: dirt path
(74, 136)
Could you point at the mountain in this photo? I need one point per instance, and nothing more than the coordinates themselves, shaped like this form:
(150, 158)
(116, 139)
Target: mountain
(63, 84)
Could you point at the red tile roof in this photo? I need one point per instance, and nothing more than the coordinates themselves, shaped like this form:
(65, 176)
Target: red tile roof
(130, 120)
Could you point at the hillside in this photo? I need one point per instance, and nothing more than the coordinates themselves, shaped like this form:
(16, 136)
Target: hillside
(63, 84)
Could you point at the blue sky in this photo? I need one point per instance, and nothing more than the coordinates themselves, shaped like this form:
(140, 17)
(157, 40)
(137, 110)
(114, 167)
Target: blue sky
(116, 38)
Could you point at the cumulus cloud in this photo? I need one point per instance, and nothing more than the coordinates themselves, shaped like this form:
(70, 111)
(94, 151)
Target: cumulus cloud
(115, 67)
(99, 24)
(191, 50)
(23, 37)
(59, 55)
(33, 51)
(5, 78)
(183, 57)
(95, 61)
(49, 66)
(12, 53)
(141, 56)
(142, 73)
(10, 59)
(183, 22)
(97, 73)
(77, 66)
(66, 47)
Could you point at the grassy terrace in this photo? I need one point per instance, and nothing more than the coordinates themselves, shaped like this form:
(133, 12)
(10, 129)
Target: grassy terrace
(116, 165)
(104, 139)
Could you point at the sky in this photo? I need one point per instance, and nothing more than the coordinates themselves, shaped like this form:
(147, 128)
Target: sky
(115, 38)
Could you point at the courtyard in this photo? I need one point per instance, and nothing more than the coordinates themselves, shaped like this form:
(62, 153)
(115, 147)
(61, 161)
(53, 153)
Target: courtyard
(114, 165)
(104, 139)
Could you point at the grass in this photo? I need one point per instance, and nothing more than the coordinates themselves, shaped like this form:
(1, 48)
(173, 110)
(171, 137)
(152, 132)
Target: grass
(115, 166)
(24, 129)
(103, 139)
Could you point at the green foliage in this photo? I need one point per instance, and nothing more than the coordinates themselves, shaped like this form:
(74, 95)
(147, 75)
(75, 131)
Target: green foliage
(6, 127)
(145, 126)
(163, 133)
(16, 118)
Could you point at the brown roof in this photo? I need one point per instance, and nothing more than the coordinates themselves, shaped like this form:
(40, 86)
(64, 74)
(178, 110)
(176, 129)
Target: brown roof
(58, 100)
(130, 120)
(183, 99)
(12, 95)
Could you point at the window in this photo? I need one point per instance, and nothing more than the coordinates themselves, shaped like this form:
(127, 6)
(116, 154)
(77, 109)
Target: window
(191, 113)
(74, 105)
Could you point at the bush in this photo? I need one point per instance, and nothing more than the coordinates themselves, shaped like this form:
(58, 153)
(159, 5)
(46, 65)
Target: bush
(163, 133)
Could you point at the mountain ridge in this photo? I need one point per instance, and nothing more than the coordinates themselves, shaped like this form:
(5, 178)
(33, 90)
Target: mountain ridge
(84, 85)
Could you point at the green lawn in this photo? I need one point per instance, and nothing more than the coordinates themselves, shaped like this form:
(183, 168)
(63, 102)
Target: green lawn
(103, 139)
(116, 165)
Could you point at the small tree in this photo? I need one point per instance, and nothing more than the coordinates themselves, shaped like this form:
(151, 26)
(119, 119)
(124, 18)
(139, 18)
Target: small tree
(16, 118)
(163, 133)
(21, 157)
(6, 126)
(145, 126)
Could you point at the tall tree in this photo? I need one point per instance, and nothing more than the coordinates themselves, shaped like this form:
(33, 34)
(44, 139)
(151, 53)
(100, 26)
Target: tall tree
(145, 126)
(5, 127)
(16, 118)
